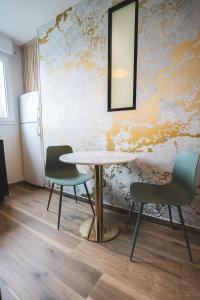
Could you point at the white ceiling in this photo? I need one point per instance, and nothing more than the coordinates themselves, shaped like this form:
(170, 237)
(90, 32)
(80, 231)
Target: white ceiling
(19, 19)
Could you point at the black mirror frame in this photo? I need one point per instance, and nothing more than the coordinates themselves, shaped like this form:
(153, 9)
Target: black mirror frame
(110, 11)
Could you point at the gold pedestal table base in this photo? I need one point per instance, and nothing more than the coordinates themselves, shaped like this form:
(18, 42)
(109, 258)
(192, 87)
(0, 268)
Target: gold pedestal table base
(109, 232)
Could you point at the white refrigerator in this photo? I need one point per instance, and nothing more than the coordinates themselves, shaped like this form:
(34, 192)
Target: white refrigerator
(31, 138)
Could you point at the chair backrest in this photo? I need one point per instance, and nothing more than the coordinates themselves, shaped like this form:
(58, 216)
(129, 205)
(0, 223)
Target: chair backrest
(185, 167)
(56, 168)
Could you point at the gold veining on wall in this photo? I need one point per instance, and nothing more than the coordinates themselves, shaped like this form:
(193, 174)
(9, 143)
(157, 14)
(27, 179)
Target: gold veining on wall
(191, 106)
(141, 137)
(142, 3)
(86, 61)
(115, 2)
(165, 6)
(58, 19)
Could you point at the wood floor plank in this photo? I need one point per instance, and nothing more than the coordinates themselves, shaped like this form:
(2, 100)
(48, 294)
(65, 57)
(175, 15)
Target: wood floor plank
(35, 203)
(35, 256)
(191, 276)
(45, 229)
(188, 292)
(7, 292)
(37, 233)
(172, 235)
(144, 253)
(108, 288)
(168, 243)
(145, 279)
(38, 285)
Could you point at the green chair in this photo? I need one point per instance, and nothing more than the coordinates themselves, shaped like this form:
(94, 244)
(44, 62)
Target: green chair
(63, 174)
(179, 192)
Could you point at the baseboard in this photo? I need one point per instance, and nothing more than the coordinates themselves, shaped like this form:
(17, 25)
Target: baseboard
(24, 182)
(126, 211)
(16, 182)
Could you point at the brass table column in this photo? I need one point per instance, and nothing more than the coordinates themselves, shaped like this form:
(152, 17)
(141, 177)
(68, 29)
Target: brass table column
(98, 203)
(99, 228)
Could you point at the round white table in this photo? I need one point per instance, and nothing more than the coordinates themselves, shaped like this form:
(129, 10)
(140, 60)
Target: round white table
(98, 229)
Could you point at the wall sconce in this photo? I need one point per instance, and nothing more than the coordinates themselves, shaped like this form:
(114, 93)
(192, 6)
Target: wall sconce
(122, 55)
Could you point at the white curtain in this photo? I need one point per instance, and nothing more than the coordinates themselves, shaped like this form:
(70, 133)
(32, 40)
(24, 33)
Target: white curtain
(30, 66)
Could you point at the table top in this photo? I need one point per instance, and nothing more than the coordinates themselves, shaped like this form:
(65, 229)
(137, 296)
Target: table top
(97, 157)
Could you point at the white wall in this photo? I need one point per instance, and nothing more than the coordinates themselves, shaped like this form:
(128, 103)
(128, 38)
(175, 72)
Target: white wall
(11, 132)
(12, 148)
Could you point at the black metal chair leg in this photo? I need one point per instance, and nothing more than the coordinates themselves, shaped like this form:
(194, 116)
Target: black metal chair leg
(89, 199)
(75, 194)
(129, 214)
(185, 232)
(136, 229)
(52, 186)
(60, 206)
(170, 216)
(90, 228)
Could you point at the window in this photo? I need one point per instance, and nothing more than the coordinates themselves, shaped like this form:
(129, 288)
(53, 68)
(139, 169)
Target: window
(3, 94)
(6, 106)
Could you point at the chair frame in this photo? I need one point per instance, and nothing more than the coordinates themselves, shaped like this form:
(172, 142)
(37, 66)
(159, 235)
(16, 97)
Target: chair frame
(139, 217)
(60, 200)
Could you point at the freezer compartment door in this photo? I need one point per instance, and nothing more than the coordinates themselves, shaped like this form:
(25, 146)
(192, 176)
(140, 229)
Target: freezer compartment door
(32, 154)
(29, 107)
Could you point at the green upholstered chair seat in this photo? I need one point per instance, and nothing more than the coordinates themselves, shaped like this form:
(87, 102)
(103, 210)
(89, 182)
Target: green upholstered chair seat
(62, 179)
(168, 194)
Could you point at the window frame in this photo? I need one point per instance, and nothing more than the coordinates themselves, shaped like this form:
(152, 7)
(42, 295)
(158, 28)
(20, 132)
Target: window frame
(8, 89)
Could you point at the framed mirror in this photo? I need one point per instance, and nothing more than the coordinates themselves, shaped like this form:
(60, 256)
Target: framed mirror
(122, 55)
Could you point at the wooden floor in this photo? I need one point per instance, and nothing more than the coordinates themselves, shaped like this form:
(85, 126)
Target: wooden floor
(39, 262)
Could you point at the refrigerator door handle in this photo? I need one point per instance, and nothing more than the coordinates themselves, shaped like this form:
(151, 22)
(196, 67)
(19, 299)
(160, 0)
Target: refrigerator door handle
(38, 129)
(38, 115)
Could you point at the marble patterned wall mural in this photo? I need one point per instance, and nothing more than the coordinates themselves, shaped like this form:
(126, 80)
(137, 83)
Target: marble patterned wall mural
(73, 67)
